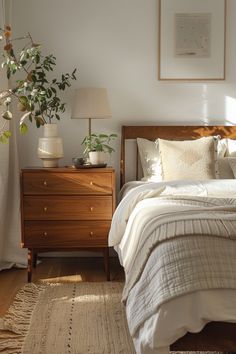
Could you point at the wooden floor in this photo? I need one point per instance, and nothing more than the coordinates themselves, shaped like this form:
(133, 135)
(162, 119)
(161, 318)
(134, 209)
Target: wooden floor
(56, 270)
(91, 269)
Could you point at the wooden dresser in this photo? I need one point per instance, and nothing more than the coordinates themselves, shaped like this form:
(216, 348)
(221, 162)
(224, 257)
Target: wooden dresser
(66, 209)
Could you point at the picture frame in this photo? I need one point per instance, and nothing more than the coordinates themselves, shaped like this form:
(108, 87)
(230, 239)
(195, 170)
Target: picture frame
(192, 40)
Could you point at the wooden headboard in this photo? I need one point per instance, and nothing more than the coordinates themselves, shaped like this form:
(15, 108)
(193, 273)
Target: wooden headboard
(170, 133)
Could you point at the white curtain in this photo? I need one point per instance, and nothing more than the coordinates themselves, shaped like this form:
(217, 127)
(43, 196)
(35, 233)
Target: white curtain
(10, 234)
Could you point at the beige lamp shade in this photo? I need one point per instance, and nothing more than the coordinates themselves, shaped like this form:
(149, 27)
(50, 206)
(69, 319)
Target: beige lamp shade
(91, 103)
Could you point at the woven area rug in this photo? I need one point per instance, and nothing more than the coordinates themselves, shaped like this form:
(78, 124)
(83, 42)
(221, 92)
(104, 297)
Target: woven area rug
(67, 318)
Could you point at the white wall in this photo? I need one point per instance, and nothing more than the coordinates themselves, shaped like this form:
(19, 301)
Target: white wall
(113, 43)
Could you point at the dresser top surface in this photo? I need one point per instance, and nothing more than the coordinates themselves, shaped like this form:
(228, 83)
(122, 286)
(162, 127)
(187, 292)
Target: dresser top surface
(68, 169)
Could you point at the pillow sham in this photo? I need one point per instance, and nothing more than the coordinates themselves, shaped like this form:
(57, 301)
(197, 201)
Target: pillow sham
(151, 162)
(221, 147)
(150, 159)
(188, 159)
(224, 168)
(231, 147)
(232, 163)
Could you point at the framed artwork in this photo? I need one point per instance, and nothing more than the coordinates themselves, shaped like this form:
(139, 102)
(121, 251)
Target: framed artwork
(192, 40)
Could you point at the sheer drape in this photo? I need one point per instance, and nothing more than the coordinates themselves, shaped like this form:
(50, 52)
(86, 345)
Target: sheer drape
(10, 251)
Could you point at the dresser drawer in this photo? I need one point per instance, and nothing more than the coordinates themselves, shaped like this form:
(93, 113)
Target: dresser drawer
(63, 234)
(67, 183)
(67, 207)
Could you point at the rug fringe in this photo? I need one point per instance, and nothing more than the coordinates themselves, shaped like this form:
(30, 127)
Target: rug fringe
(16, 322)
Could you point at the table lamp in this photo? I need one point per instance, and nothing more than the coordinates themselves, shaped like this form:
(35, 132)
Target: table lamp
(91, 103)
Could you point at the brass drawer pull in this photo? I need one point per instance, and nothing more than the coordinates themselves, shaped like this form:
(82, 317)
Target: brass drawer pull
(91, 233)
(91, 183)
(45, 183)
(91, 208)
(45, 209)
(45, 233)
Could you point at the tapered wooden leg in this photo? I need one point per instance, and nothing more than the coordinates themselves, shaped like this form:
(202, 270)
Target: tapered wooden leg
(30, 264)
(35, 257)
(106, 262)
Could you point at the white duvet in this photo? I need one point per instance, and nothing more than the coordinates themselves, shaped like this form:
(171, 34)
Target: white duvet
(154, 331)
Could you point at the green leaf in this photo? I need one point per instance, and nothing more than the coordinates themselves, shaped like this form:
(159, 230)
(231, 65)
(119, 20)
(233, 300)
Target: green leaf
(3, 139)
(23, 62)
(8, 73)
(109, 149)
(23, 100)
(7, 115)
(7, 134)
(103, 136)
(73, 74)
(23, 128)
(39, 121)
(37, 58)
(49, 93)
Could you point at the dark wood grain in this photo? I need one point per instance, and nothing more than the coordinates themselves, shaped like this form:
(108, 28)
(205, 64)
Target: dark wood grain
(66, 208)
(57, 270)
(66, 234)
(67, 183)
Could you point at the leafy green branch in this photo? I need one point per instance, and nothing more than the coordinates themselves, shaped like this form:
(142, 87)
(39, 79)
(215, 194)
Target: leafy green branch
(36, 93)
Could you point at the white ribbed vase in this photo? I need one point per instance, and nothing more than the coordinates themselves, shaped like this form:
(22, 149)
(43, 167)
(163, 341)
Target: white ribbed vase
(50, 148)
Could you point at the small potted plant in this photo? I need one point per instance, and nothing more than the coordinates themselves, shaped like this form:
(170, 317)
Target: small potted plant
(96, 146)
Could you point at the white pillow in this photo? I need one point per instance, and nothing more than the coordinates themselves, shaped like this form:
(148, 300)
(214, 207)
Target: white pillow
(225, 170)
(188, 159)
(231, 147)
(151, 162)
(232, 162)
(150, 159)
(221, 147)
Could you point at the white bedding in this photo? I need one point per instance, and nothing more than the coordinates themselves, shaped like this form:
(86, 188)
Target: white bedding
(158, 330)
(185, 313)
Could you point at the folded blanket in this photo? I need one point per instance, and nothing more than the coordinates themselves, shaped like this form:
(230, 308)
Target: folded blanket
(159, 220)
(134, 194)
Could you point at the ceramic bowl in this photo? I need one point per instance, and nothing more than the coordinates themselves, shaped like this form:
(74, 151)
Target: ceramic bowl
(78, 161)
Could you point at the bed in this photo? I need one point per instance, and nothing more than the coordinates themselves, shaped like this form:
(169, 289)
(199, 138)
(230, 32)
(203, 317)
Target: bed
(218, 333)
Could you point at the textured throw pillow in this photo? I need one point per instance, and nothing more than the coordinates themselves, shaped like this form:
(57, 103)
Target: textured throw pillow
(150, 159)
(232, 162)
(188, 159)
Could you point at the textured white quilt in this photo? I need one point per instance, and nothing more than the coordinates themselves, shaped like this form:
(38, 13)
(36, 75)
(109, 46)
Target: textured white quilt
(174, 239)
